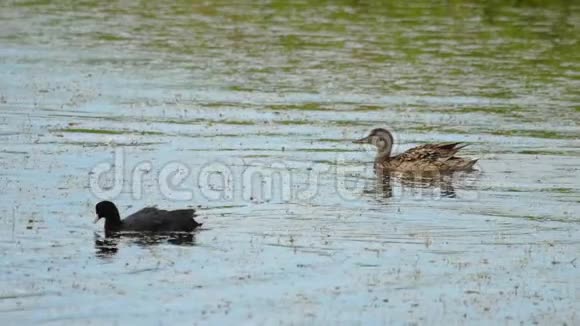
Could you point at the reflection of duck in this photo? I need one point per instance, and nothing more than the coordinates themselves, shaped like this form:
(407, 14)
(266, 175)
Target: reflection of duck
(149, 219)
(428, 182)
(429, 157)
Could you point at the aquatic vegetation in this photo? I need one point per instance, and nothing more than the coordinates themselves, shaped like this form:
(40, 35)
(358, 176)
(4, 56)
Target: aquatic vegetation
(536, 134)
(106, 131)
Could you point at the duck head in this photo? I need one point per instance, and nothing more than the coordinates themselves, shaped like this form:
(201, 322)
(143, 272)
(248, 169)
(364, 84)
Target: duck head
(382, 139)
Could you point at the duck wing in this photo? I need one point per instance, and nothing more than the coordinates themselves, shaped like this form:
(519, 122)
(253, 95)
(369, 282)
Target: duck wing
(431, 152)
(431, 157)
(156, 220)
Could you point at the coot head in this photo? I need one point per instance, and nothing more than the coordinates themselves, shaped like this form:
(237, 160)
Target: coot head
(107, 210)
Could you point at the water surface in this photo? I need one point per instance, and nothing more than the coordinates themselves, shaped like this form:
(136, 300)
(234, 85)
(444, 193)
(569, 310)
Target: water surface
(202, 86)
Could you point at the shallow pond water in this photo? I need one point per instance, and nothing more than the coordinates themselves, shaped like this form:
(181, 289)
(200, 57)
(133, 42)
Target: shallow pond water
(212, 105)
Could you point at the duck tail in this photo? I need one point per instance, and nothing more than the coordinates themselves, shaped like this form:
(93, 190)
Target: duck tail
(461, 146)
(470, 164)
(449, 150)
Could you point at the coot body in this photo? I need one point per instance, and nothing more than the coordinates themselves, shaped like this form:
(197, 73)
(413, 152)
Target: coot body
(148, 219)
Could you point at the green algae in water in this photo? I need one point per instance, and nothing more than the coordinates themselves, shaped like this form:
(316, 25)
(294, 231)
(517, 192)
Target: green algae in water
(237, 122)
(208, 121)
(310, 106)
(510, 111)
(438, 129)
(292, 122)
(109, 37)
(106, 131)
(334, 140)
(92, 131)
(535, 134)
(549, 152)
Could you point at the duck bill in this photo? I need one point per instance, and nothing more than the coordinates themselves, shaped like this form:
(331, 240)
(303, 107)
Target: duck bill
(361, 141)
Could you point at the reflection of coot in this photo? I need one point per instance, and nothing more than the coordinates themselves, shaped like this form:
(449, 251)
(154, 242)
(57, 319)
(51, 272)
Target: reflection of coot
(175, 238)
(107, 247)
(182, 239)
(149, 219)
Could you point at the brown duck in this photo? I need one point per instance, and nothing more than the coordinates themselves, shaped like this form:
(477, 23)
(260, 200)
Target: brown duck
(429, 157)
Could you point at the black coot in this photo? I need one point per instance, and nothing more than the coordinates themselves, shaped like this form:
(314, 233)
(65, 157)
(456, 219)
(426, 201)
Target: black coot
(148, 219)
